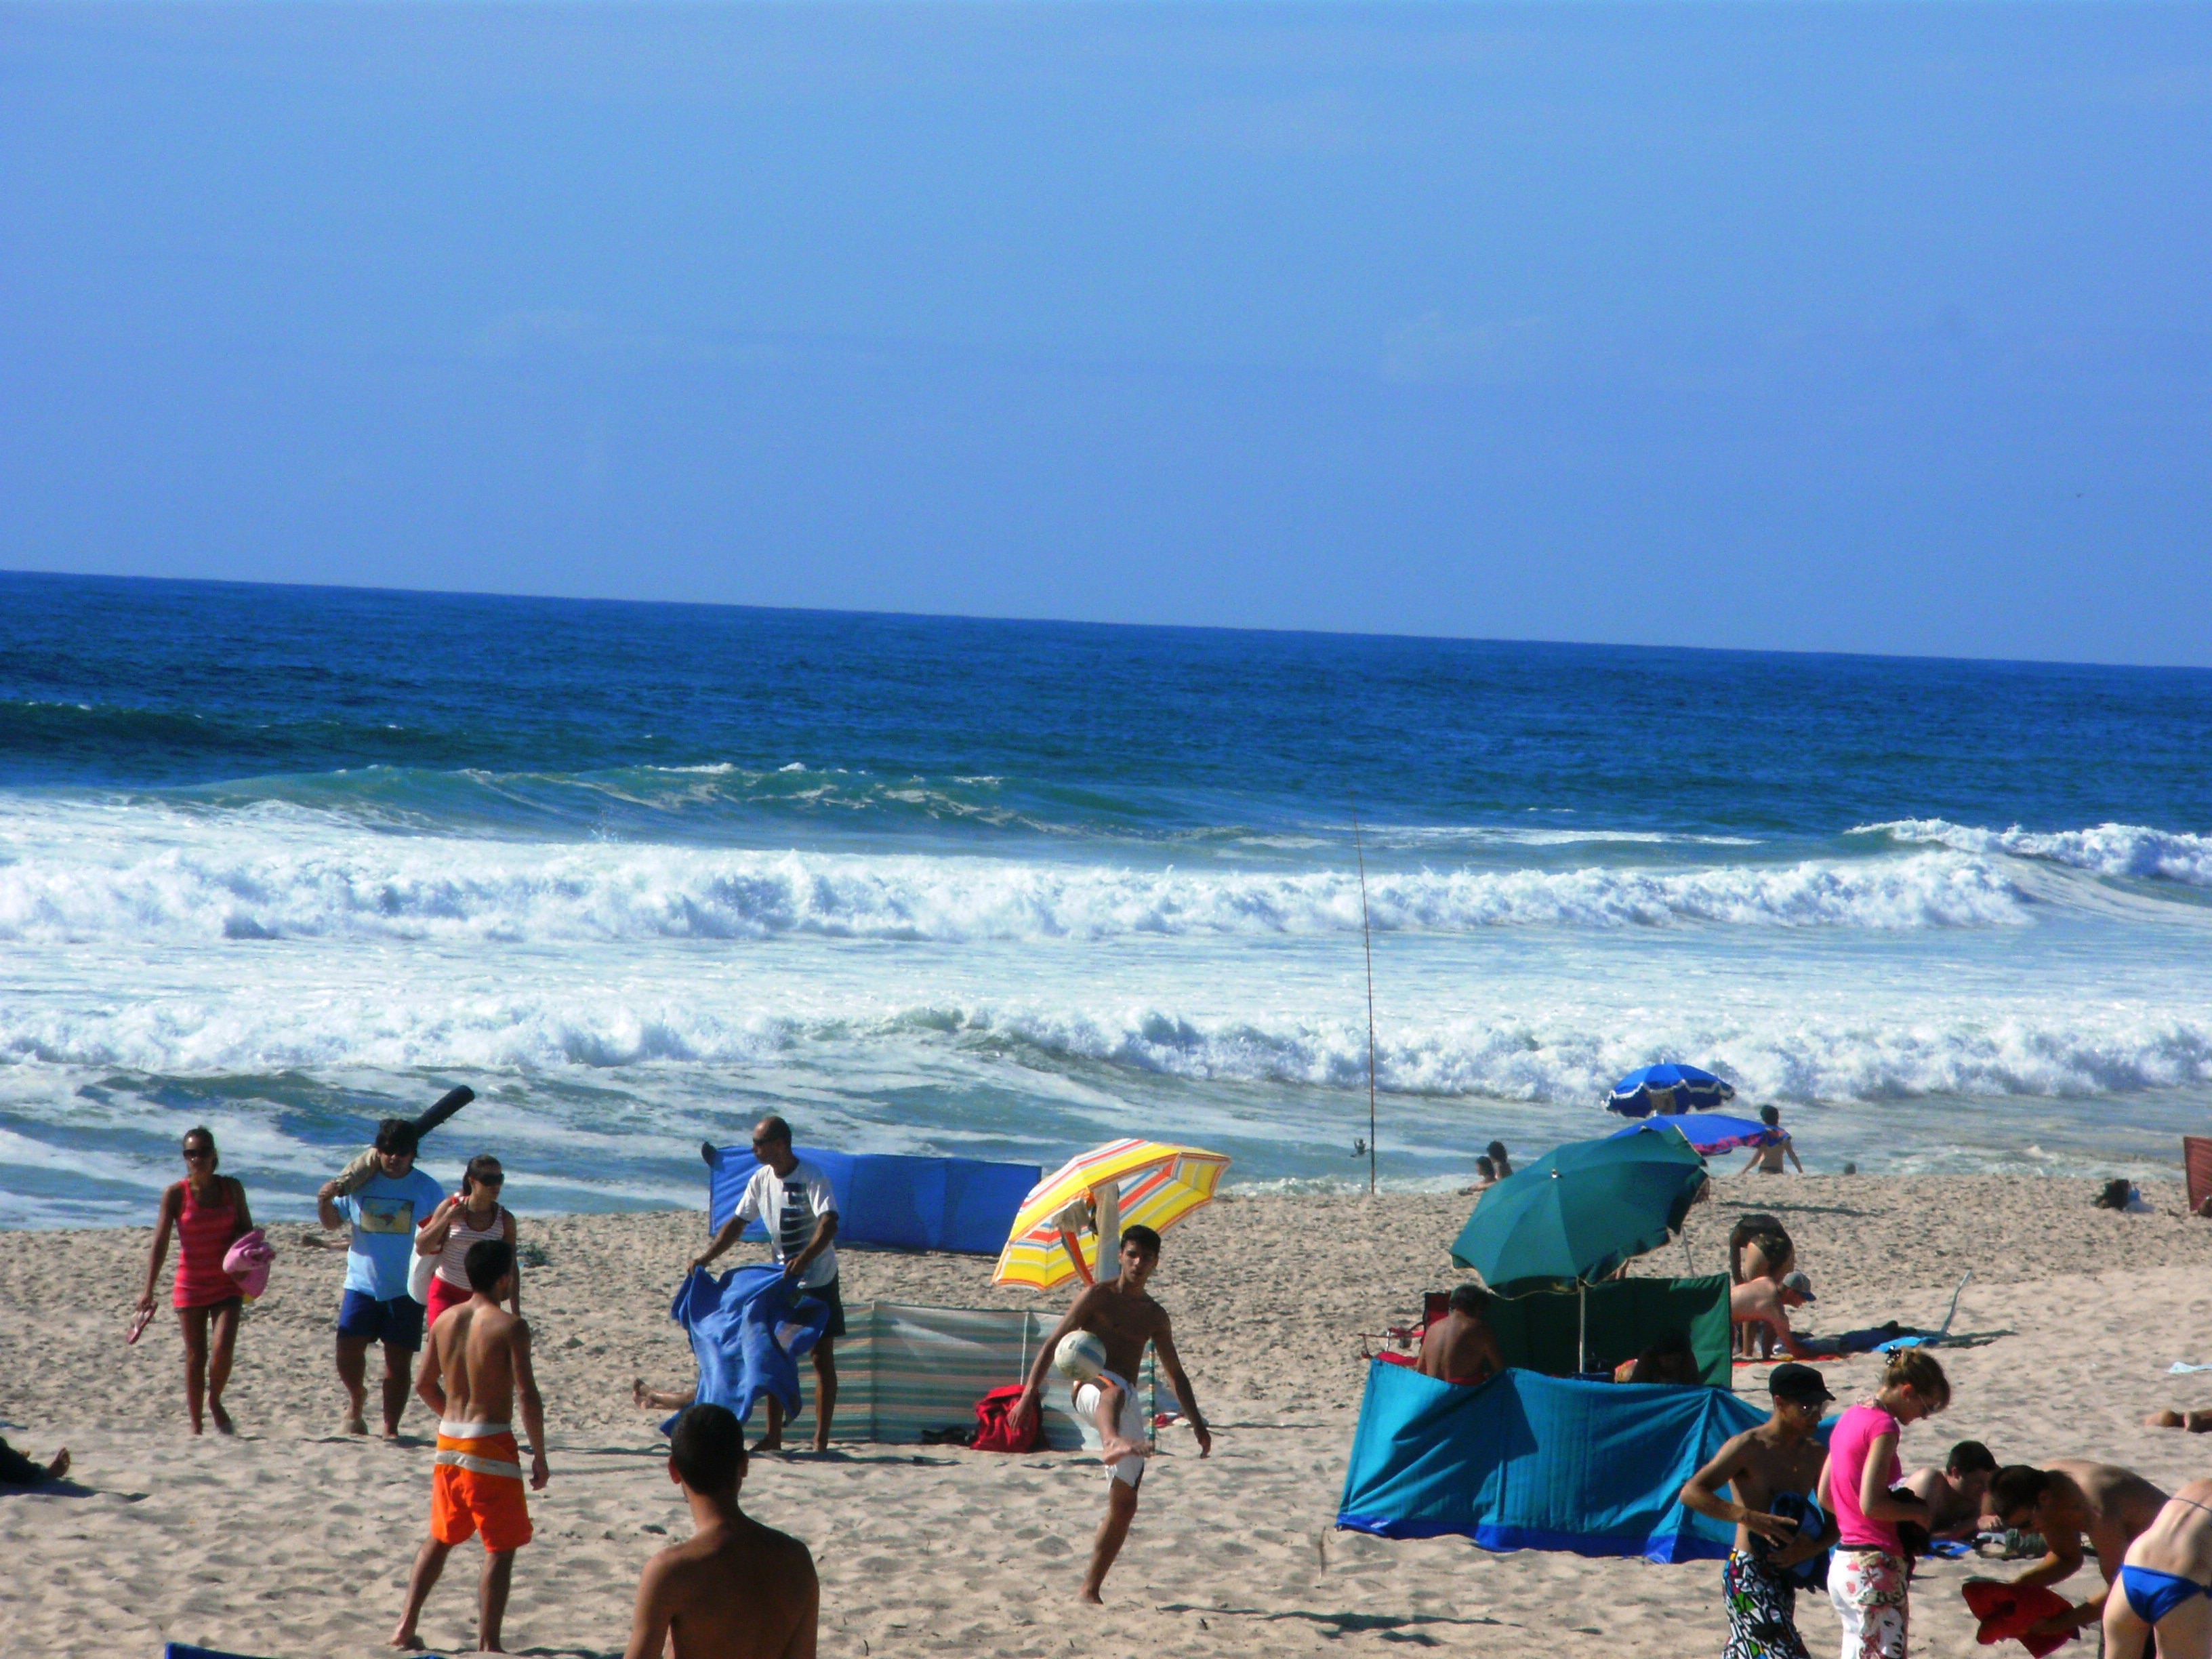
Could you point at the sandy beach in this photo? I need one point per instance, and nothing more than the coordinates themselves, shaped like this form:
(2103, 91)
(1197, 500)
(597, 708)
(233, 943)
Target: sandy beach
(293, 1540)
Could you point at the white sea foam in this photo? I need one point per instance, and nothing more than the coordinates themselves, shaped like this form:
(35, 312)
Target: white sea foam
(2046, 1051)
(284, 873)
(2108, 849)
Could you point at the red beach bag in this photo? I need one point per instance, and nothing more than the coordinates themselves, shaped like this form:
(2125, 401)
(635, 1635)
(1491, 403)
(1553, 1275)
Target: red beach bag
(994, 1424)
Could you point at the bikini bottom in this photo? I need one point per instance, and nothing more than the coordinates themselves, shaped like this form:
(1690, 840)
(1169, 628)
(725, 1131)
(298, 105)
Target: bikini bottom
(2154, 1595)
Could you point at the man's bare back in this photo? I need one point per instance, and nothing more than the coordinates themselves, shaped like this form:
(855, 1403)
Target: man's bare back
(1458, 1348)
(2115, 1505)
(2097, 1504)
(735, 1589)
(1761, 1302)
(474, 1348)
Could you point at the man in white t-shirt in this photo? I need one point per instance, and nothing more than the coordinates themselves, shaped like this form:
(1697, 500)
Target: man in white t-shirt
(792, 1198)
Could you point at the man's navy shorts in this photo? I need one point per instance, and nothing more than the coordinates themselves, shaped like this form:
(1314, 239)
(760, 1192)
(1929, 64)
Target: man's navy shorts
(397, 1323)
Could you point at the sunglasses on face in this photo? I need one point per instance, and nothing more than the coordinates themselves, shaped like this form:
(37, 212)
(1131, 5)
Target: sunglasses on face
(487, 1181)
(199, 1152)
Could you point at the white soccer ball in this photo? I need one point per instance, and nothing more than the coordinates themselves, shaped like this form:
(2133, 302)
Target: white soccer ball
(1080, 1357)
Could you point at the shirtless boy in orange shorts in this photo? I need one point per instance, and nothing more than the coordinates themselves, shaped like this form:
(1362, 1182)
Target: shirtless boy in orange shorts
(476, 1358)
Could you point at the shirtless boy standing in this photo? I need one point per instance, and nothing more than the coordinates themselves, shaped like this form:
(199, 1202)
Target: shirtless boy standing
(734, 1589)
(478, 1356)
(2165, 1583)
(1460, 1347)
(1122, 1314)
(2070, 1500)
(1760, 1465)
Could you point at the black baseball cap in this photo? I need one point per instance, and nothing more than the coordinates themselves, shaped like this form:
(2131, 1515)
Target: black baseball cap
(1795, 1382)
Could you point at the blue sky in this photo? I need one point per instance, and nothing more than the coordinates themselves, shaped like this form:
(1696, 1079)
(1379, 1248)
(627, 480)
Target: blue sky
(1862, 327)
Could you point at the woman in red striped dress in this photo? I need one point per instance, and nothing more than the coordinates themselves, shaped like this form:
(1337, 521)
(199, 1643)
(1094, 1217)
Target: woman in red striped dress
(208, 1213)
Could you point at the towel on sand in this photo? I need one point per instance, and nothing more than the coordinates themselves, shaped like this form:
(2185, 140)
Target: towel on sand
(748, 1329)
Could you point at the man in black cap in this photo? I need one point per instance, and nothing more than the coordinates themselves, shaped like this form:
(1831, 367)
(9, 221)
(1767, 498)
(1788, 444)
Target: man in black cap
(1771, 1473)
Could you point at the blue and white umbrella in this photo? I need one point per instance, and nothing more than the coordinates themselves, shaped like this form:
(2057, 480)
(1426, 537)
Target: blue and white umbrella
(1708, 1135)
(1667, 1090)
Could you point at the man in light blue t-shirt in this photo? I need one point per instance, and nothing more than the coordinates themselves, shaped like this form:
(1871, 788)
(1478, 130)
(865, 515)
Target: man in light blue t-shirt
(383, 1213)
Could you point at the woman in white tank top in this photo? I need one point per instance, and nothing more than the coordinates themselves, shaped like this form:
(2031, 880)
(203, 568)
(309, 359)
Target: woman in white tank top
(470, 1215)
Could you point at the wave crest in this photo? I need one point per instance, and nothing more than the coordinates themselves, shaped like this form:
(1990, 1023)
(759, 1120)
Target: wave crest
(2059, 1054)
(2106, 849)
(221, 886)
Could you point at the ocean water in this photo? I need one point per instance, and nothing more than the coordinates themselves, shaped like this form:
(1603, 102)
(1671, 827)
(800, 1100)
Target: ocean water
(287, 860)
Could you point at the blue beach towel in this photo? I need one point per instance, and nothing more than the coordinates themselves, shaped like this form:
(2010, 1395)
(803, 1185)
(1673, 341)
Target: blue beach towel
(182, 1651)
(748, 1329)
(1534, 1462)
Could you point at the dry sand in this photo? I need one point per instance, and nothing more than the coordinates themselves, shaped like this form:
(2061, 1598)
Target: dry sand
(294, 1541)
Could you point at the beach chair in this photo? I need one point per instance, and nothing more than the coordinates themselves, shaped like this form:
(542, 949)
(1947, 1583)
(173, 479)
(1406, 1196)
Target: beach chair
(1400, 1343)
(2197, 1160)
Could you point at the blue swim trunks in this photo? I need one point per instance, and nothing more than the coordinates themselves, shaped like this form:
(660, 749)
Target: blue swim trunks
(397, 1323)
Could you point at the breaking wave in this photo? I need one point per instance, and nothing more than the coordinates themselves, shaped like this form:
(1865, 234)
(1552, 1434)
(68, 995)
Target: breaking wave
(2044, 1052)
(2108, 849)
(235, 885)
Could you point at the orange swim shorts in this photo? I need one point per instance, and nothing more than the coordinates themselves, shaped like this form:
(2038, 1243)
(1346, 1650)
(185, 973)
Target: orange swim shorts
(476, 1488)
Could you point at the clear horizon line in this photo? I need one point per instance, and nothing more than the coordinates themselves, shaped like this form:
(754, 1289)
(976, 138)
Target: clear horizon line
(1092, 621)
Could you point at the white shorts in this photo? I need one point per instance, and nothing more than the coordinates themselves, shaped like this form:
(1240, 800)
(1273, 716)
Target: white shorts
(1127, 1470)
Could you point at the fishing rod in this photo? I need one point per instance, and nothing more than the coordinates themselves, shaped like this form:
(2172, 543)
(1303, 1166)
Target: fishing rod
(1367, 944)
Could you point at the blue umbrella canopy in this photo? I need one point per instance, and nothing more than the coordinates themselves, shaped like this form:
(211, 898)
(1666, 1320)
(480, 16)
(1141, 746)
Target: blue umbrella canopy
(1708, 1134)
(1667, 1090)
(1579, 1211)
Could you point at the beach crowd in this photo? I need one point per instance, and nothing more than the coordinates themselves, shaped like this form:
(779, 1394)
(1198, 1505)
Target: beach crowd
(436, 1279)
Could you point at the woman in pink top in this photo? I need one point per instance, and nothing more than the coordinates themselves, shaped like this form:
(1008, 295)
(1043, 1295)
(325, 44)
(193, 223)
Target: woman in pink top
(207, 1211)
(1866, 1576)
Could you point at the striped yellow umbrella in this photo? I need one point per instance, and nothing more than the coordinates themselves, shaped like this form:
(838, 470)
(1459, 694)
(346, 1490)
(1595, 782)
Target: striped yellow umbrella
(1159, 1185)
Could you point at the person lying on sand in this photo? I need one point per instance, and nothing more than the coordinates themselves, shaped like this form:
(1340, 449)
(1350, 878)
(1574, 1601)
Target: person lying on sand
(2195, 1422)
(2165, 1583)
(1954, 1494)
(1762, 1305)
(1460, 1347)
(1120, 1312)
(1779, 1459)
(2068, 1502)
(17, 1470)
(479, 1359)
(735, 1588)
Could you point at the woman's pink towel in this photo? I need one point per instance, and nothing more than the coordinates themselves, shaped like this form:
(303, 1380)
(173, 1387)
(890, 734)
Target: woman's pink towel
(248, 1261)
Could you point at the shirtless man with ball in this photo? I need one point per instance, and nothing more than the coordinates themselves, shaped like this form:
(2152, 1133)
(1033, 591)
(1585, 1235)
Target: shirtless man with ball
(1121, 1314)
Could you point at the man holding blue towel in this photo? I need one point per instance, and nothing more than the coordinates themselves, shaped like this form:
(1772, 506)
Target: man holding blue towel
(1770, 1471)
(793, 1197)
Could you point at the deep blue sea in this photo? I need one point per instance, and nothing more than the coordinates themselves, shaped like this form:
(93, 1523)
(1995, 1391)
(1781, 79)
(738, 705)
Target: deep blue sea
(285, 861)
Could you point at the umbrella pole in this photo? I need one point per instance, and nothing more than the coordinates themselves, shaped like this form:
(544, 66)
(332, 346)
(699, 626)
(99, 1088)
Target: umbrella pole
(1367, 944)
(1582, 1326)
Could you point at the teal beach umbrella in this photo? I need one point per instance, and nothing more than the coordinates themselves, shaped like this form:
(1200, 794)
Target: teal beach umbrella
(1579, 1211)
